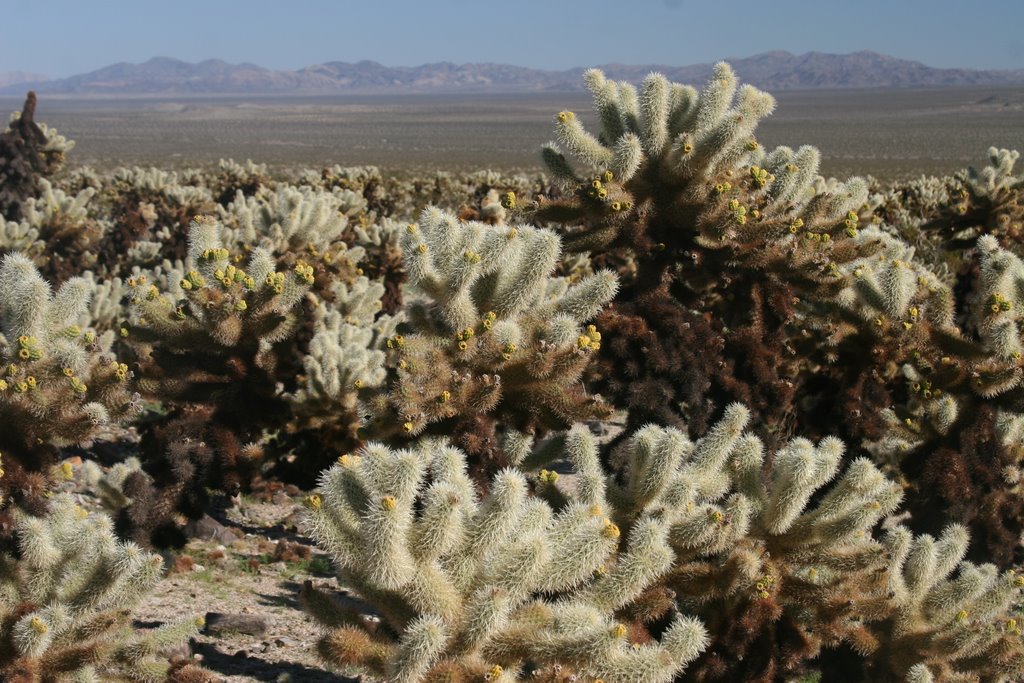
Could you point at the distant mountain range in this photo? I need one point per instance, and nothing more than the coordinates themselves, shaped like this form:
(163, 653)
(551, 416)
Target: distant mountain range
(14, 77)
(772, 70)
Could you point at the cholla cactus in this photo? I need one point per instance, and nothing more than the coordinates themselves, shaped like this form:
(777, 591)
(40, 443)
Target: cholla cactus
(60, 384)
(700, 218)
(506, 588)
(65, 599)
(777, 565)
(228, 305)
(233, 177)
(293, 226)
(384, 263)
(496, 327)
(29, 151)
(291, 219)
(774, 575)
(147, 205)
(952, 619)
(346, 354)
(677, 169)
(63, 224)
(985, 202)
(215, 358)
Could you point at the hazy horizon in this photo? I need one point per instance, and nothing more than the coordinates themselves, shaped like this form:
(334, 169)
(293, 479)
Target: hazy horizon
(542, 35)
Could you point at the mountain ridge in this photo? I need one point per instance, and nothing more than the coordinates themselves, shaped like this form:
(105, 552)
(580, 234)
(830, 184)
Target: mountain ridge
(774, 70)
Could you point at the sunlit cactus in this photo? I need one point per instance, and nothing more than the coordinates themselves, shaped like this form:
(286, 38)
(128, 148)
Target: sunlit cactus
(60, 384)
(496, 587)
(65, 598)
(493, 331)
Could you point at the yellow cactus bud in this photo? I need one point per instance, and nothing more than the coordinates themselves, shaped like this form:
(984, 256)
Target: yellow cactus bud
(240, 305)
(38, 625)
(389, 502)
(564, 116)
(314, 501)
(610, 530)
(407, 426)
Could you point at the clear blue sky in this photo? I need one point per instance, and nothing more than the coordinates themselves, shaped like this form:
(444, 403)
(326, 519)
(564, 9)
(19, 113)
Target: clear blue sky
(60, 38)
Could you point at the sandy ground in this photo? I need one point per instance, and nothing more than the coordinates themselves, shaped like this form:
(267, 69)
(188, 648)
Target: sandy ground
(249, 558)
(242, 577)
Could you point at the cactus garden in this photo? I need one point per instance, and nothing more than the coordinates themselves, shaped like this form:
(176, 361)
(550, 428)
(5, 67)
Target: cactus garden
(678, 408)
